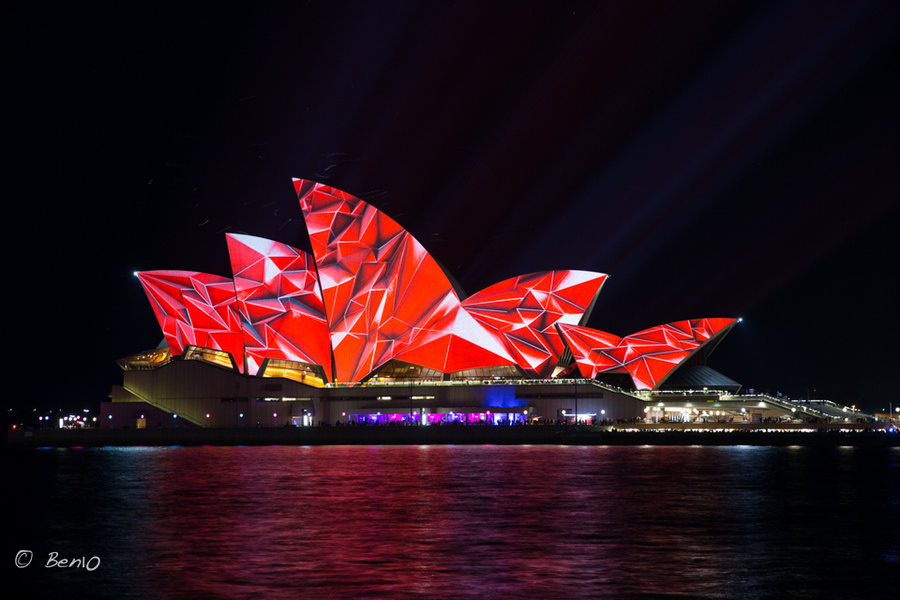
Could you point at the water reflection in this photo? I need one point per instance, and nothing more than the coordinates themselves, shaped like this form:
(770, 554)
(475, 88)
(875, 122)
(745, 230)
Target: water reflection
(464, 522)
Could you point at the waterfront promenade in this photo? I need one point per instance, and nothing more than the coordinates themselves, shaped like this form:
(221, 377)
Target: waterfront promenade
(757, 434)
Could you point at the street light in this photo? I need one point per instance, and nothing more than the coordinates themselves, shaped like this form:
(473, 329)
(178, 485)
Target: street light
(576, 404)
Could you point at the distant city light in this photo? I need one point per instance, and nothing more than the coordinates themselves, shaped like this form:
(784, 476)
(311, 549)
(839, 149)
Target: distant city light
(740, 319)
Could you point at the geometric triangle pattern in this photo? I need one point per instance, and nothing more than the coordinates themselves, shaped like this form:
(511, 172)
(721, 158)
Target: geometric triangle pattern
(370, 293)
(280, 303)
(649, 356)
(384, 292)
(195, 309)
(450, 339)
(524, 310)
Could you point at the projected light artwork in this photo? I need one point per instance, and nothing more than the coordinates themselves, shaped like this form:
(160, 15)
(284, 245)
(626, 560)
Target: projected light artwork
(370, 298)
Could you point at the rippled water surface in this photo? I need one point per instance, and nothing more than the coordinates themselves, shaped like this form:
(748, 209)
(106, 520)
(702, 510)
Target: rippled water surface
(457, 522)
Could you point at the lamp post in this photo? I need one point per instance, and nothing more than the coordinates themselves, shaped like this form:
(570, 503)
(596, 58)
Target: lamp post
(576, 404)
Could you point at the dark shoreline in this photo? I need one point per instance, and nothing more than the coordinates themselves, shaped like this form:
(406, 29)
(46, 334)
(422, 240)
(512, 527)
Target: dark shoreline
(531, 434)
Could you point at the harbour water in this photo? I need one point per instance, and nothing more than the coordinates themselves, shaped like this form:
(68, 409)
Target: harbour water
(454, 522)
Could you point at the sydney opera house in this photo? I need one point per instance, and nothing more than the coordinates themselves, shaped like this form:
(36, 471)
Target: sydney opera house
(370, 329)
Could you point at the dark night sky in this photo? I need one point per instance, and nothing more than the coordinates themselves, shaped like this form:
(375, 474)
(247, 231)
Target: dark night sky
(716, 159)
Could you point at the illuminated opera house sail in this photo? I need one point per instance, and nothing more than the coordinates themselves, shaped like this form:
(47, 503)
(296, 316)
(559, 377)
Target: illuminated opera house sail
(370, 304)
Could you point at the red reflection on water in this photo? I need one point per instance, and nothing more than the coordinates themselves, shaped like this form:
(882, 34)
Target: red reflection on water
(489, 521)
(422, 521)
